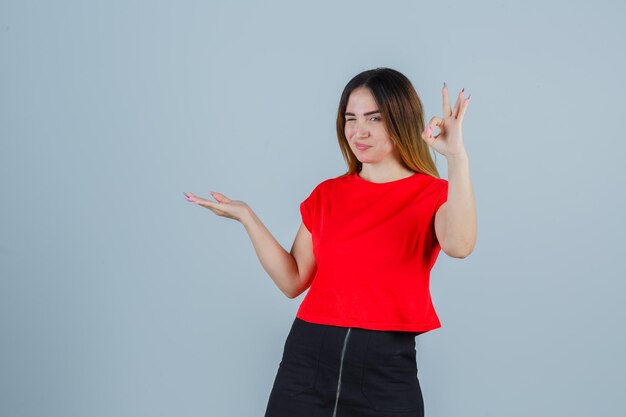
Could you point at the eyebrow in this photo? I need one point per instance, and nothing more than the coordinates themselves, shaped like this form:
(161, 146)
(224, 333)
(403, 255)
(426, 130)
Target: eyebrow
(364, 114)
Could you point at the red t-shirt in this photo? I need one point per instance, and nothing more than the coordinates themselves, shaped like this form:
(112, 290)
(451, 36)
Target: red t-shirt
(374, 245)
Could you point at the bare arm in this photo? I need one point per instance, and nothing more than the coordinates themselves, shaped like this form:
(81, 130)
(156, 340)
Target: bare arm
(292, 271)
(455, 221)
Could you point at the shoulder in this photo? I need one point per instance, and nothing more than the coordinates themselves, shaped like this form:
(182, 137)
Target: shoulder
(427, 181)
(434, 189)
(330, 184)
(437, 183)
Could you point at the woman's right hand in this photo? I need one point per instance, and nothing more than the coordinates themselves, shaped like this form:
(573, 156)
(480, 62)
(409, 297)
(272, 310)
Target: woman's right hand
(225, 207)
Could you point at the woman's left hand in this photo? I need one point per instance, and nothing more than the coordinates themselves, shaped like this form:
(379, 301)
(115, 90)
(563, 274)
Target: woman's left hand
(449, 141)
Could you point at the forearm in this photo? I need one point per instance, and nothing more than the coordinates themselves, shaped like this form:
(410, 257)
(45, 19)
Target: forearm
(461, 208)
(279, 264)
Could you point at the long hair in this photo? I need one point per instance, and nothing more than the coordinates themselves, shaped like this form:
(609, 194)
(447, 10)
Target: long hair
(402, 114)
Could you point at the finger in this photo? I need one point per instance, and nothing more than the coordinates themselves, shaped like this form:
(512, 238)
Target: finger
(464, 108)
(457, 105)
(189, 197)
(430, 127)
(427, 130)
(447, 111)
(200, 201)
(435, 122)
(427, 136)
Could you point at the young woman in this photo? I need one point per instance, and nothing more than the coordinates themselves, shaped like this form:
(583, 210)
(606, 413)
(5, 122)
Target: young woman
(364, 250)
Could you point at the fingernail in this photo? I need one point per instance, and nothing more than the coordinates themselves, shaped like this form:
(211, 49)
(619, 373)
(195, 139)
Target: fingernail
(444, 84)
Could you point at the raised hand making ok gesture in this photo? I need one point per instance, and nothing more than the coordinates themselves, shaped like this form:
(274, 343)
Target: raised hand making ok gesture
(449, 141)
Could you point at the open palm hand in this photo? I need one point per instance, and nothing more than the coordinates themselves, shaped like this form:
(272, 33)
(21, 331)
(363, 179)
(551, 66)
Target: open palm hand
(225, 207)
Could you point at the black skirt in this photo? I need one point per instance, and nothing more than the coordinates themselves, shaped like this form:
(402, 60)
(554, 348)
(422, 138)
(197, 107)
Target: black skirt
(334, 371)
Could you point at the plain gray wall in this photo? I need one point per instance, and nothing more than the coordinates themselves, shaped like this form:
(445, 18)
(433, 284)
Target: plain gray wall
(120, 298)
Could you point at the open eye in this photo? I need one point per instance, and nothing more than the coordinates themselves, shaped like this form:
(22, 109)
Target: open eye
(375, 117)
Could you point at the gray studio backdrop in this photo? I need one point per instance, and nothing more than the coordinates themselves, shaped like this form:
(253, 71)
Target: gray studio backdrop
(120, 298)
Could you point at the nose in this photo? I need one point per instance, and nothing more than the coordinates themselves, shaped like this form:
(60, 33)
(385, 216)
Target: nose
(361, 131)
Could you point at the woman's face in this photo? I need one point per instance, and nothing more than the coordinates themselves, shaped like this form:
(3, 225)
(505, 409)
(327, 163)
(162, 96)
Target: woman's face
(365, 128)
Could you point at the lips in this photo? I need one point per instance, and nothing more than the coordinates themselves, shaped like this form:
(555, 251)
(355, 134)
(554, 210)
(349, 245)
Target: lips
(360, 146)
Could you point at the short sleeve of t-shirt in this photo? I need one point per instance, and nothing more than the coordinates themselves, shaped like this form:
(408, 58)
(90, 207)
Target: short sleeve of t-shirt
(308, 208)
(442, 194)
(442, 197)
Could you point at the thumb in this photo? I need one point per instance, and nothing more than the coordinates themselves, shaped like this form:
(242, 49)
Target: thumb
(427, 135)
(220, 197)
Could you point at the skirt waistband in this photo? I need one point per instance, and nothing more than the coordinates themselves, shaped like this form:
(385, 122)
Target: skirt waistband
(367, 348)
